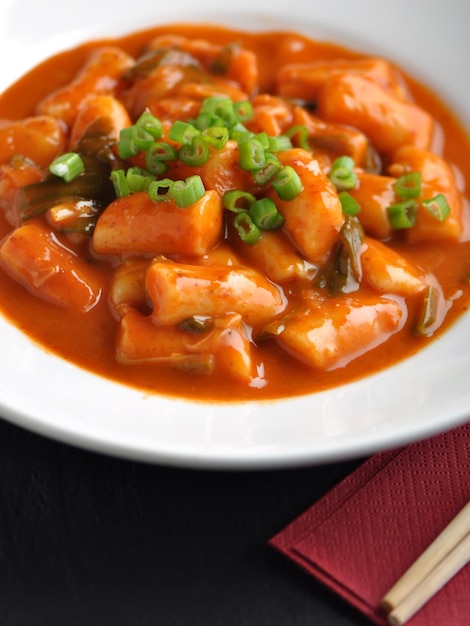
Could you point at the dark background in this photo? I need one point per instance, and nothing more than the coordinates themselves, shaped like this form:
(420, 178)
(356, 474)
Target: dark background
(93, 540)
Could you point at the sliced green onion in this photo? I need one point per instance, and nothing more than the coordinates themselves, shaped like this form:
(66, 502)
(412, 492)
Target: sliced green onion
(263, 139)
(300, 132)
(342, 173)
(160, 190)
(243, 110)
(141, 139)
(183, 132)
(236, 200)
(428, 311)
(216, 136)
(279, 143)
(240, 134)
(220, 107)
(270, 169)
(252, 155)
(126, 148)
(121, 186)
(349, 205)
(402, 214)
(138, 179)
(265, 214)
(408, 186)
(438, 207)
(205, 120)
(287, 183)
(196, 153)
(247, 230)
(67, 166)
(187, 192)
(151, 124)
(158, 155)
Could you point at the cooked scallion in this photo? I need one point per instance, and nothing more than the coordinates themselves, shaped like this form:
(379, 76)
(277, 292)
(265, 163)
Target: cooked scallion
(121, 186)
(428, 311)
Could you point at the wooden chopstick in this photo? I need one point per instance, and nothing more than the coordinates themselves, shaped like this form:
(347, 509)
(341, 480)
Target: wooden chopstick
(447, 554)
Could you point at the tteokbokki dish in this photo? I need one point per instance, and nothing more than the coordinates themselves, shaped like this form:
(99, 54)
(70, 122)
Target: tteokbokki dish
(225, 215)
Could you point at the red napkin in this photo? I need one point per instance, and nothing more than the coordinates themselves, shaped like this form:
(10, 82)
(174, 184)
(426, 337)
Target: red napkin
(365, 533)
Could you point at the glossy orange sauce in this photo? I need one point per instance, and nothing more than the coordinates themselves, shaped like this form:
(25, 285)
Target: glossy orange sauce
(88, 340)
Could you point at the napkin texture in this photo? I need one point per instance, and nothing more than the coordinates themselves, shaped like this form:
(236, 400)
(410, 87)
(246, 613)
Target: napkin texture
(365, 533)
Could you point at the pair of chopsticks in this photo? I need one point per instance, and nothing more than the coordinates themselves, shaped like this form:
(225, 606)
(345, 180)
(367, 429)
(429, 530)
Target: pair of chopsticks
(446, 556)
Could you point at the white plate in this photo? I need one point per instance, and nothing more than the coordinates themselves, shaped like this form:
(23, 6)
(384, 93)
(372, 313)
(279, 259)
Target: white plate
(424, 395)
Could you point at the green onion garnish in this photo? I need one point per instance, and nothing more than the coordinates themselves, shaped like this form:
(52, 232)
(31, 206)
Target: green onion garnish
(342, 173)
(121, 186)
(126, 148)
(183, 132)
(437, 207)
(236, 200)
(187, 192)
(279, 143)
(240, 135)
(300, 132)
(196, 153)
(270, 169)
(243, 110)
(221, 109)
(265, 214)
(138, 179)
(349, 205)
(252, 155)
(160, 190)
(247, 230)
(151, 124)
(408, 186)
(402, 214)
(216, 136)
(158, 154)
(287, 183)
(67, 166)
(141, 138)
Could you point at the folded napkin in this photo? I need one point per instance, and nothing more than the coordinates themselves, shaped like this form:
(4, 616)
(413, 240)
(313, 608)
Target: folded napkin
(365, 533)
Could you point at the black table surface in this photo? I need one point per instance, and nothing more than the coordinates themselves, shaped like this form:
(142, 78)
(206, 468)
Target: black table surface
(86, 539)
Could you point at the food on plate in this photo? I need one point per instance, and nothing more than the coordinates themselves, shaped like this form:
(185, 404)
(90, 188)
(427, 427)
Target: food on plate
(225, 215)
